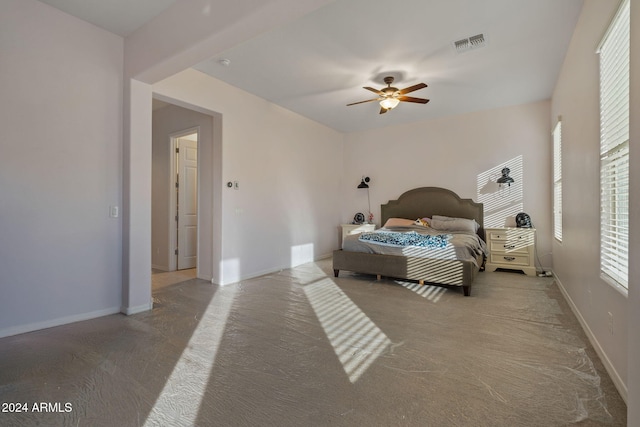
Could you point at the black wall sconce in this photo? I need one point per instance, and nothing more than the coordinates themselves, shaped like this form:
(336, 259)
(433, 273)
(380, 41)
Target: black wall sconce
(363, 183)
(505, 179)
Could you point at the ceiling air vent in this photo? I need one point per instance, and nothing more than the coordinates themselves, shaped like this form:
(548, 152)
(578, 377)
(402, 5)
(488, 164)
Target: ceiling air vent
(470, 43)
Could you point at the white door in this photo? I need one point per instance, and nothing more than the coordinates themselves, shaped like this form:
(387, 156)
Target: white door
(187, 203)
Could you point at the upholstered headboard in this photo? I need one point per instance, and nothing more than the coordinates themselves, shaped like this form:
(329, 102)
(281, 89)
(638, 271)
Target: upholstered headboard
(428, 201)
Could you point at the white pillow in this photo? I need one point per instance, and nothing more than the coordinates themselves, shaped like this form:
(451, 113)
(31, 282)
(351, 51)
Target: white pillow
(398, 222)
(445, 223)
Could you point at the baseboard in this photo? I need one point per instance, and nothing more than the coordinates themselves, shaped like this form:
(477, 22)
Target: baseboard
(137, 309)
(272, 270)
(615, 377)
(22, 329)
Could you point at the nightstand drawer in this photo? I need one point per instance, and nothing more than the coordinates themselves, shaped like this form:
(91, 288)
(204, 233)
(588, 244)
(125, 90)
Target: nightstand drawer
(513, 236)
(509, 247)
(357, 228)
(510, 259)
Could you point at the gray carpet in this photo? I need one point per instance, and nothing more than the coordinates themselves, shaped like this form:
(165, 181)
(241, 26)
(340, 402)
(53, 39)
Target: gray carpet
(301, 348)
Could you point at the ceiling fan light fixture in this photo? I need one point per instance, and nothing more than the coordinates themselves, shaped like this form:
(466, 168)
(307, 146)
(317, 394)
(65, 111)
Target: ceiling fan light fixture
(389, 103)
(389, 97)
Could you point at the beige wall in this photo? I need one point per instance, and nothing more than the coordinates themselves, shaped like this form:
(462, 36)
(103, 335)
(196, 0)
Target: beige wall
(576, 258)
(60, 167)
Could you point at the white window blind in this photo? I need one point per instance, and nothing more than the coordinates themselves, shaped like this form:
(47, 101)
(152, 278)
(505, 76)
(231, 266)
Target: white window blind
(557, 181)
(614, 149)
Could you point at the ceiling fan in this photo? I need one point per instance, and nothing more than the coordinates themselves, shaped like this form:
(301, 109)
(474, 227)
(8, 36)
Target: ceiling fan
(389, 97)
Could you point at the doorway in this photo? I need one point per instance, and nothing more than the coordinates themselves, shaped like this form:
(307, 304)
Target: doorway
(173, 120)
(184, 200)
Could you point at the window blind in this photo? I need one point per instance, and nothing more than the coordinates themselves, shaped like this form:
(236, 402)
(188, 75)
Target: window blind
(614, 149)
(557, 181)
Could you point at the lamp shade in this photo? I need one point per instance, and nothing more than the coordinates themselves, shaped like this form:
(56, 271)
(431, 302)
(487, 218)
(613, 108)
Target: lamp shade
(505, 178)
(389, 103)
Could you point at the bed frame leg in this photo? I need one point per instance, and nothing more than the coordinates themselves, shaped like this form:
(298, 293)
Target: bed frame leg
(467, 290)
(336, 272)
(378, 277)
(421, 282)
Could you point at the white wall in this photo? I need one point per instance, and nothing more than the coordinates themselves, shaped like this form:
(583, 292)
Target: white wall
(136, 197)
(167, 121)
(462, 153)
(289, 168)
(576, 259)
(60, 168)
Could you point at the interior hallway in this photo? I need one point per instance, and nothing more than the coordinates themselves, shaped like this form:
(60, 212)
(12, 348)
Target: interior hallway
(161, 279)
(300, 347)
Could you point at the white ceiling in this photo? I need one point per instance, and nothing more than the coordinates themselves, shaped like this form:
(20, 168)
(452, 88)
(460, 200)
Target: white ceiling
(319, 63)
(120, 17)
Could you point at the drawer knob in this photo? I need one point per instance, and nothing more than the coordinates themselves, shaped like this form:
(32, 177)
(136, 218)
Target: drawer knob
(509, 258)
(509, 246)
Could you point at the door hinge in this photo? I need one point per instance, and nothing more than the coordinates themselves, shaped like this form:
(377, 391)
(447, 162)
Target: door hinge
(177, 184)
(176, 252)
(176, 218)
(177, 150)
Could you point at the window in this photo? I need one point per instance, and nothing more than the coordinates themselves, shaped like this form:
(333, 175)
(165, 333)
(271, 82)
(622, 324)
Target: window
(614, 150)
(557, 181)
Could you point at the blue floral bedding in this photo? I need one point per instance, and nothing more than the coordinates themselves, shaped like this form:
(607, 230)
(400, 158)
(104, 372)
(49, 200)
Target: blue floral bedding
(411, 238)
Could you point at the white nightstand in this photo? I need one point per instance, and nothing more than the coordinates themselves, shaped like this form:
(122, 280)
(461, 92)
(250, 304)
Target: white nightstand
(355, 229)
(512, 248)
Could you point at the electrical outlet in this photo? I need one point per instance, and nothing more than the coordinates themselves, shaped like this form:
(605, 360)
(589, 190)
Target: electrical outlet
(610, 323)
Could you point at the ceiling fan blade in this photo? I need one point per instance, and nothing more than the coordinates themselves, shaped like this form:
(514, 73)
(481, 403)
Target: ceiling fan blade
(379, 92)
(383, 110)
(411, 99)
(362, 102)
(412, 88)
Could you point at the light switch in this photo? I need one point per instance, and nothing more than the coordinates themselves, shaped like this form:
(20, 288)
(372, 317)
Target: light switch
(236, 185)
(114, 212)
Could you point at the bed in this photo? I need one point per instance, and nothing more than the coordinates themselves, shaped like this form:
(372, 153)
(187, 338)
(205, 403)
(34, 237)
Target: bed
(456, 267)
